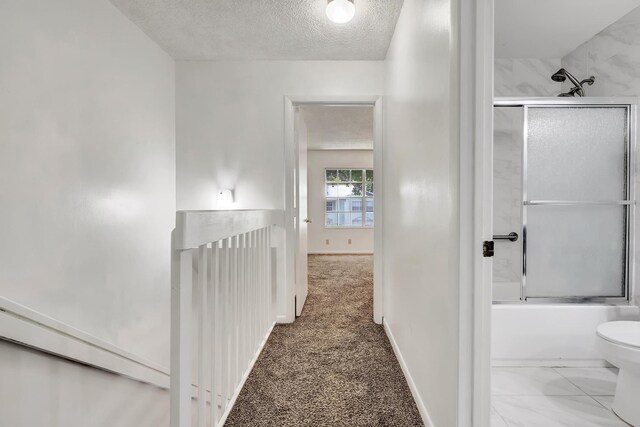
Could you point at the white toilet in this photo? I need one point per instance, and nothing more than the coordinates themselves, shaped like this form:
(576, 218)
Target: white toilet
(620, 345)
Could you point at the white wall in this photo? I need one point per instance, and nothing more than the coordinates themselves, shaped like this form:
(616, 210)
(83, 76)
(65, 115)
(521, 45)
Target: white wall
(361, 238)
(41, 390)
(87, 161)
(421, 166)
(230, 123)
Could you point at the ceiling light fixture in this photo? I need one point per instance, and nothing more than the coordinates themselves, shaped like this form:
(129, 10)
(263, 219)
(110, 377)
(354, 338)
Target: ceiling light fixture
(341, 11)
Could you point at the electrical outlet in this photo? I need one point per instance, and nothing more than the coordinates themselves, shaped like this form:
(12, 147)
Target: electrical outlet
(349, 241)
(327, 241)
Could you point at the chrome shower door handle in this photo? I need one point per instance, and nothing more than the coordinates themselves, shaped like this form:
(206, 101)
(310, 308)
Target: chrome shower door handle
(512, 237)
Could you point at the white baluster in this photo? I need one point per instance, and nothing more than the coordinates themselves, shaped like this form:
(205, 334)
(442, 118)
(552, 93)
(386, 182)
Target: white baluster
(203, 329)
(212, 272)
(270, 275)
(246, 354)
(181, 312)
(224, 324)
(262, 292)
(251, 294)
(240, 307)
(233, 323)
(265, 279)
(254, 291)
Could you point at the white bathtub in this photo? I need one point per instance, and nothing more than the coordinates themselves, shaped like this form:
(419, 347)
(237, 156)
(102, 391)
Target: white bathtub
(551, 335)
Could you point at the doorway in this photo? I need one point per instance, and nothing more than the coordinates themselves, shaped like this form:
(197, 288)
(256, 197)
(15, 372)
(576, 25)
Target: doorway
(330, 185)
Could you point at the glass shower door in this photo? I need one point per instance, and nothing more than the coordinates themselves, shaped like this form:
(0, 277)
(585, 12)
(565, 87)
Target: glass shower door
(575, 201)
(507, 202)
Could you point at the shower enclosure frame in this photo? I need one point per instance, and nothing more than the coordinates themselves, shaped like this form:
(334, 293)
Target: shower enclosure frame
(630, 104)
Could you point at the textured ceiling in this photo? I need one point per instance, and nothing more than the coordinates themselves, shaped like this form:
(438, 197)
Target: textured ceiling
(264, 29)
(338, 127)
(552, 28)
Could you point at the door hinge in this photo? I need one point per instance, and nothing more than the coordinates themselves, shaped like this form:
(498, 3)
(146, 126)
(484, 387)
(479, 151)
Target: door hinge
(488, 249)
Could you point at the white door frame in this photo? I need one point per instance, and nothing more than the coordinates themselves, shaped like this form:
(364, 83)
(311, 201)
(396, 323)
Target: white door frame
(476, 210)
(290, 102)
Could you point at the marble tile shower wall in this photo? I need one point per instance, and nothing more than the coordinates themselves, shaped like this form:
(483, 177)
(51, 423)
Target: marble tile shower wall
(612, 56)
(526, 77)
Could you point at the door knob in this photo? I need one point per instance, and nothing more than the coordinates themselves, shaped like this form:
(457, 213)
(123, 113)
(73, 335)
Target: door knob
(307, 220)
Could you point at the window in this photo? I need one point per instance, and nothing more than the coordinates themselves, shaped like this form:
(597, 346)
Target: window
(349, 198)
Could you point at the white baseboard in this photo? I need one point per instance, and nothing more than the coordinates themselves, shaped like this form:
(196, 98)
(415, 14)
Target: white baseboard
(236, 393)
(33, 329)
(340, 252)
(550, 363)
(281, 318)
(412, 386)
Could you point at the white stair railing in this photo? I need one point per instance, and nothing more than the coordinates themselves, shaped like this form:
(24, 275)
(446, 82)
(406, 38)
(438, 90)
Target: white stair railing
(222, 308)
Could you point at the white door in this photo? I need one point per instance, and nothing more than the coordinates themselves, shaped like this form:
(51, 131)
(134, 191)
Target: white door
(301, 214)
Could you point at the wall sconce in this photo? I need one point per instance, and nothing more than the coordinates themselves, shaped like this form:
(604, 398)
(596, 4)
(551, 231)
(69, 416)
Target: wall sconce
(225, 198)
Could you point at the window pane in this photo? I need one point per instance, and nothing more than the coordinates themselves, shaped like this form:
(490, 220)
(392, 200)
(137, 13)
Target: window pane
(348, 192)
(369, 218)
(369, 204)
(345, 190)
(369, 189)
(331, 205)
(356, 190)
(338, 190)
(344, 218)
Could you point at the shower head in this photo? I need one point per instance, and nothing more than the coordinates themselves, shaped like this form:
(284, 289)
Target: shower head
(560, 75)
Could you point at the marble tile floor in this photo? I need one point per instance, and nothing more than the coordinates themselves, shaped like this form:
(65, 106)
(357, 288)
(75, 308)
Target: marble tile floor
(553, 397)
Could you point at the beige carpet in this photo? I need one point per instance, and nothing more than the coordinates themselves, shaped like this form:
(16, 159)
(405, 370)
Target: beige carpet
(333, 366)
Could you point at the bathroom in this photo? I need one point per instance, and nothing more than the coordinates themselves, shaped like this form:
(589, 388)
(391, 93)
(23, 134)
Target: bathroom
(566, 85)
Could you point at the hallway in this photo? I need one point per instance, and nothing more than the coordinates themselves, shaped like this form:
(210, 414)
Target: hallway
(333, 365)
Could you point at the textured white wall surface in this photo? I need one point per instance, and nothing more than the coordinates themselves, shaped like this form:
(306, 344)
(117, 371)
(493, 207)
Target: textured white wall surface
(42, 390)
(230, 123)
(421, 164)
(264, 29)
(87, 161)
(361, 238)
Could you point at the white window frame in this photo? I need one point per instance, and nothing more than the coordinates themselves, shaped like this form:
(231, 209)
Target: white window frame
(363, 198)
